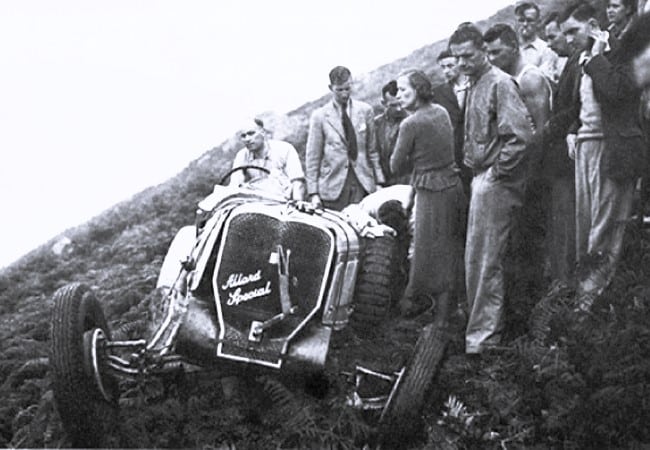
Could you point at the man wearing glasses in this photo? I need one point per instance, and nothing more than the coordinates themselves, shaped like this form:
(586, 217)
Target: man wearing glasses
(534, 49)
(280, 158)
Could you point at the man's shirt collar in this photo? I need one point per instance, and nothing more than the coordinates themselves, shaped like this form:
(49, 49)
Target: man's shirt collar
(460, 86)
(263, 154)
(585, 56)
(338, 106)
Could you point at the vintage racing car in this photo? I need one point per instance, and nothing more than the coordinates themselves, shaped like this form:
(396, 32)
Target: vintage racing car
(257, 281)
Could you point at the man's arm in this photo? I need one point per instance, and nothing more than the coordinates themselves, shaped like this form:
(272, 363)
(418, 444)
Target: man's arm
(298, 190)
(238, 178)
(536, 94)
(562, 122)
(613, 82)
(548, 63)
(565, 113)
(381, 151)
(314, 154)
(514, 127)
(295, 173)
(371, 149)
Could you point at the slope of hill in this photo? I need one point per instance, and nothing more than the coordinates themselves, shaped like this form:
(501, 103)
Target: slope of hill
(558, 383)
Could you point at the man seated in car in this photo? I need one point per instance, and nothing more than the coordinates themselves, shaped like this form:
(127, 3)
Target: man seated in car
(279, 158)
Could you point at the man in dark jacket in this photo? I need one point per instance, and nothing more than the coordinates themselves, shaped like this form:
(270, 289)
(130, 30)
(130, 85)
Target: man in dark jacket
(451, 95)
(387, 127)
(559, 172)
(635, 46)
(607, 144)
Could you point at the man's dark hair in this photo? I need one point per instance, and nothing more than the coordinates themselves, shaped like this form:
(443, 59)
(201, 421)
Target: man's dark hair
(392, 213)
(339, 75)
(421, 84)
(390, 88)
(637, 38)
(524, 6)
(581, 12)
(467, 32)
(504, 32)
(444, 54)
(631, 6)
(551, 17)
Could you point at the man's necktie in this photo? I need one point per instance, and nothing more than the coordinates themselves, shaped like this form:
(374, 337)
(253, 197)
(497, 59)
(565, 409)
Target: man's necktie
(350, 135)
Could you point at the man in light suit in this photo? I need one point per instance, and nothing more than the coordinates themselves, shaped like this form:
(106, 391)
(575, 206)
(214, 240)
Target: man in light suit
(341, 159)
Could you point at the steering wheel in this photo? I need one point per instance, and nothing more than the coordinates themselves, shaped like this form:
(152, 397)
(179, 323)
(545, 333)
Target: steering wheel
(267, 184)
(237, 169)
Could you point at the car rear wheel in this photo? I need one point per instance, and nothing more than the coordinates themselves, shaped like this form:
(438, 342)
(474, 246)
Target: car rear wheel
(402, 414)
(376, 279)
(85, 411)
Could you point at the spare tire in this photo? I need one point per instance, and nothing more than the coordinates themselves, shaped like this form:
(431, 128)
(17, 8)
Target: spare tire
(376, 279)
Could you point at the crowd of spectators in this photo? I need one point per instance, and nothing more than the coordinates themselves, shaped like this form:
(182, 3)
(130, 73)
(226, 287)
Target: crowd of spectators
(539, 132)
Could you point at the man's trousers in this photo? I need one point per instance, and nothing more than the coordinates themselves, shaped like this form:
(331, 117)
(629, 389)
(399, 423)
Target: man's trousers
(352, 192)
(492, 211)
(603, 207)
(561, 234)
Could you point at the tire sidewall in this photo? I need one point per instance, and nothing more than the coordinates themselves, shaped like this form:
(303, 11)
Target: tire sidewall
(82, 409)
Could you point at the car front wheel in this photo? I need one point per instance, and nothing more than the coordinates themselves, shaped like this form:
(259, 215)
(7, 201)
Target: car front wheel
(376, 279)
(85, 410)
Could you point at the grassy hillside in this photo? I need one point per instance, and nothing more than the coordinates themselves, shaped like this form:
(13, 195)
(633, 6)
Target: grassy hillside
(559, 383)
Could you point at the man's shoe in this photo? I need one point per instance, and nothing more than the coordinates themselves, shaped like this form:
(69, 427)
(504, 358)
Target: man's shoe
(409, 309)
(584, 301)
